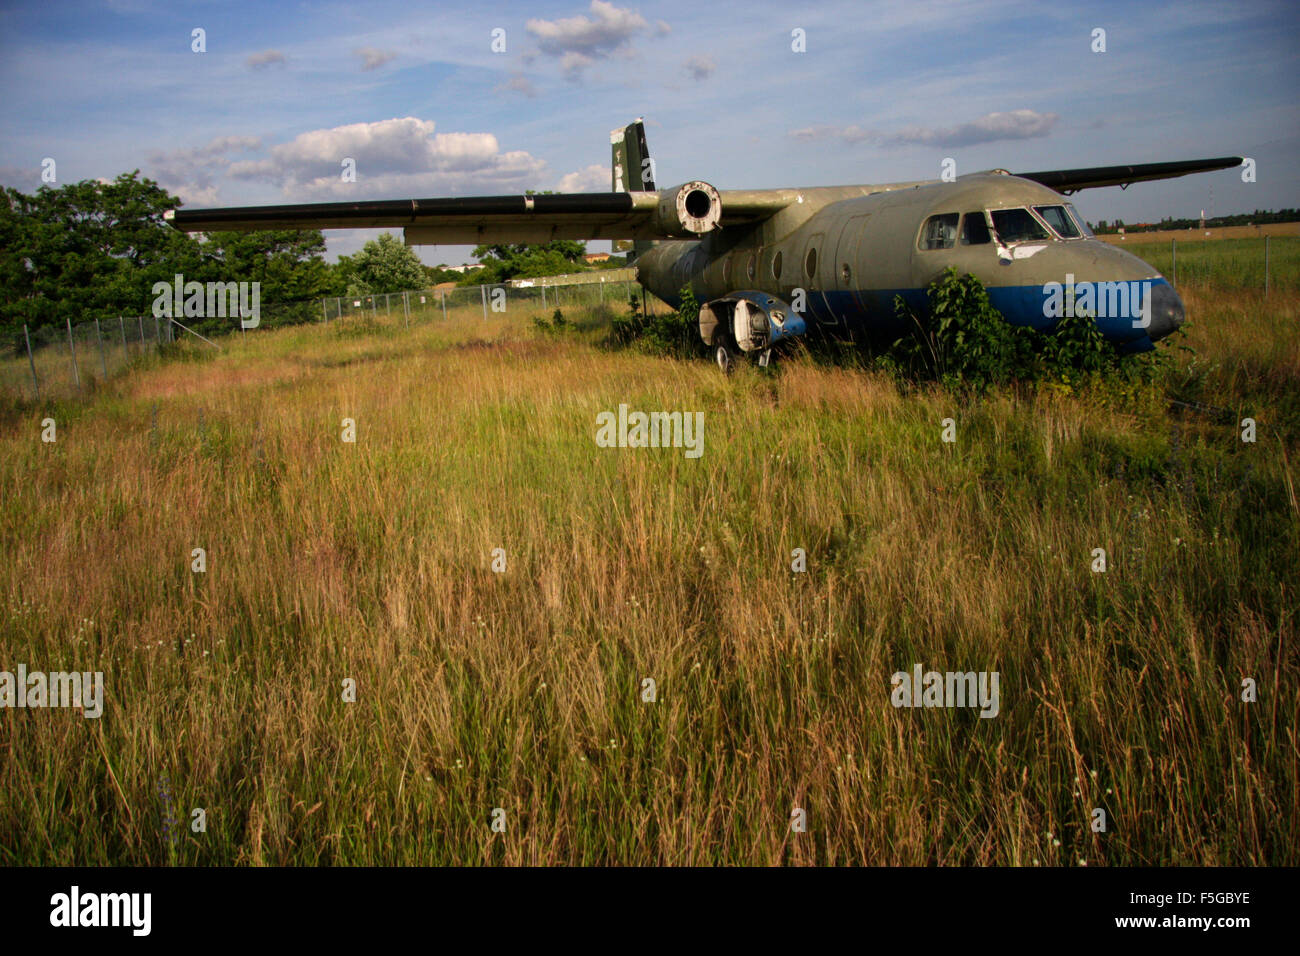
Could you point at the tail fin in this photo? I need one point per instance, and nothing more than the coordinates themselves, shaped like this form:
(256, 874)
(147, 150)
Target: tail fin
(632, 170)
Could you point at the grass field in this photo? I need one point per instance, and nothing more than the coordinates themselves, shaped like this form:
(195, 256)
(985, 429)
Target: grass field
(1273, 229)
(522, 691)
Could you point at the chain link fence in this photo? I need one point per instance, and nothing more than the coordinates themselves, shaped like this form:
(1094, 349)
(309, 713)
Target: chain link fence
(1269, 265)
(533, 297)
(52, 362)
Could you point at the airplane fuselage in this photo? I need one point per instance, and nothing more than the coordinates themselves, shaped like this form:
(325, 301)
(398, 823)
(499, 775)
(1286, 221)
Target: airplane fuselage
(839, 255)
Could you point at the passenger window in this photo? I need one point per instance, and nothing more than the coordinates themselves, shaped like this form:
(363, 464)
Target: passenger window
(974, 229)
(939, 232)
(1016, 225)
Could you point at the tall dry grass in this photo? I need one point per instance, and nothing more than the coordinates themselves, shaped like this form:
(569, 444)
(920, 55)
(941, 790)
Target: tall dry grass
(523, 690)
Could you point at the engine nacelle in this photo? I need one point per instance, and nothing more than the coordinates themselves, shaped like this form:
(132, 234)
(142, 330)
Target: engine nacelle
(689, 209)
(753, 321)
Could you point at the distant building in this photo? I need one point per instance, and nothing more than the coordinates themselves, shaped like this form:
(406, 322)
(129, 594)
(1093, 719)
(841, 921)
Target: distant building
(467, 267)
(591, 258)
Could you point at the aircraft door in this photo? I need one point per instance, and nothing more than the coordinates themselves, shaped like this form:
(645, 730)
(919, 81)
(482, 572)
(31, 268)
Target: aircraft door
(810, 278)
(850, 278)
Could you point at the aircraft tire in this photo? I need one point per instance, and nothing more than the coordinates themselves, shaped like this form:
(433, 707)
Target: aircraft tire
(725, 358)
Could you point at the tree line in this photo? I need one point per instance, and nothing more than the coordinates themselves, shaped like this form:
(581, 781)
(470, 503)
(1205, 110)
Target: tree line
(1259, 217)
(96, 248)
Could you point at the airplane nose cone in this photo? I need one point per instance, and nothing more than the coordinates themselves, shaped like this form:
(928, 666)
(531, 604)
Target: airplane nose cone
(1166, 312)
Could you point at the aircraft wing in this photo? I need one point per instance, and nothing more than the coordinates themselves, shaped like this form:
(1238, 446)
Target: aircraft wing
(681, 212)
(1071, 180)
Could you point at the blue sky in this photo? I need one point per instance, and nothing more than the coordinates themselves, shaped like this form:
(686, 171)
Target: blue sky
(415, 93)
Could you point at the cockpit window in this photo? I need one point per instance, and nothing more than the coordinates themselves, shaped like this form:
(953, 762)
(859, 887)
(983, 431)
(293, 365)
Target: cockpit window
(939, 232)
(1080, 221)
(1017, 225)
(1062, 224)
(974, 229)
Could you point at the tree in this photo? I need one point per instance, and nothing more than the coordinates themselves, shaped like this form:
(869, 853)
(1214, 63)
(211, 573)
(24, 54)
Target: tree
(96, 249)
(383, 265)
(288, 264)
(88, 248)
(525, 260)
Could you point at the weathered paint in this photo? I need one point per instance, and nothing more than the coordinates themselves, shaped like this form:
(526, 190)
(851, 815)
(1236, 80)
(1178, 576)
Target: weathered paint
(866, 251)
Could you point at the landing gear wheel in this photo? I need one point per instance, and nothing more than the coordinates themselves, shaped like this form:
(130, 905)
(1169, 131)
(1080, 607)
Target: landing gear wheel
(725, 358)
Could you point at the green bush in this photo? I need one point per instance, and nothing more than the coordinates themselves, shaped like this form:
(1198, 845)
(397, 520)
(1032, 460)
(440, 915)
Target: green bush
(676, 333)
(965, 342)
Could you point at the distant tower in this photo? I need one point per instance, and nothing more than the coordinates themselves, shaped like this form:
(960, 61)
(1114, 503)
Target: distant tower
(1202, 218)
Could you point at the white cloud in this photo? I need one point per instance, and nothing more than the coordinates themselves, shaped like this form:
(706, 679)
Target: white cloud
(577, 42)
(259, 61)
(192, 173)
(518, 83)
(700, 67)
(1017, 124)
(395, 156)
(25, 179)
(990, 128)
(592, 179)
(847, 134)
(373, 59)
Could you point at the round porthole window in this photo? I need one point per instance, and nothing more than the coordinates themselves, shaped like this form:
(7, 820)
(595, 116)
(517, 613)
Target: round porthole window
(726, 271)
(776, 266)
(749, 269)
(844, 273)
(810, 263)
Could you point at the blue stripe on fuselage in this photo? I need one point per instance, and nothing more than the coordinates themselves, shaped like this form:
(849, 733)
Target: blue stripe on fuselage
(872, 310)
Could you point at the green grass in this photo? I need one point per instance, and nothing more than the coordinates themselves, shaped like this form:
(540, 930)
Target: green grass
(522, 691)
(1229, 264)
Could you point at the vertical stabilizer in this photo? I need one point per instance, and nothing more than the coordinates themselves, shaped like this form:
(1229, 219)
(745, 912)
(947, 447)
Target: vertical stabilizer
(631, 170)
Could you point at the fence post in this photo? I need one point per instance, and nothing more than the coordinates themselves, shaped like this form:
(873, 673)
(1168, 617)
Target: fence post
(543, 296)
(126, 353)
(338, 307)
(406, 308)
(324, 315)
(141, 318)
(1173, 247)
(1266, 267)
(483, 294)
(103, 363)
(388, 311)
(73, 345)
(36, 386)
(444, 304)
(157, 334)
(602, 290)
(374, 309)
